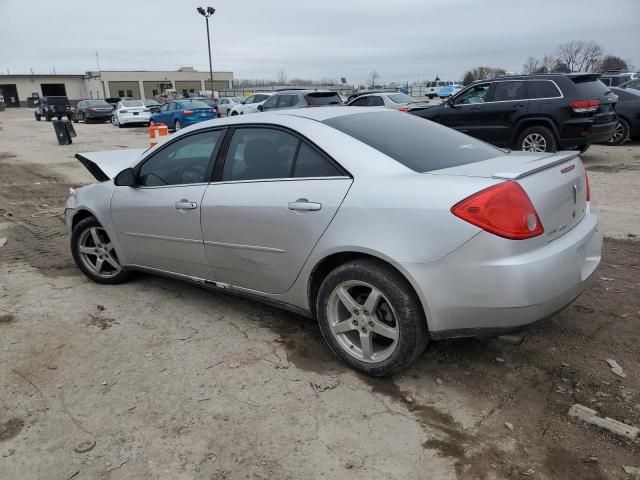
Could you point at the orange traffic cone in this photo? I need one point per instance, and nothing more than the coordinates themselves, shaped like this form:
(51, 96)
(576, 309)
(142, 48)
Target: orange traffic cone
(157, 130)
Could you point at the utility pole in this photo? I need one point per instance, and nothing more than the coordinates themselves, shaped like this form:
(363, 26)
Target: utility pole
(206, 14)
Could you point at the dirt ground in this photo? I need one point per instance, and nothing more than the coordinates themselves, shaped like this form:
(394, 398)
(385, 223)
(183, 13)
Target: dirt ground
(174, 382)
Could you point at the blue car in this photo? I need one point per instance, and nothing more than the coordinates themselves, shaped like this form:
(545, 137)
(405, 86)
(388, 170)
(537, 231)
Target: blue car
(449, 90)
(177, 114)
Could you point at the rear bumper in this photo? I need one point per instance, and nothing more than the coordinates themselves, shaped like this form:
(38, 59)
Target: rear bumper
(98, 115)
(142, 118)
(597, 133)
(483, 289)
(193, 120)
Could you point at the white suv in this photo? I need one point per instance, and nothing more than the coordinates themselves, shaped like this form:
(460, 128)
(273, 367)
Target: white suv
(250, 104)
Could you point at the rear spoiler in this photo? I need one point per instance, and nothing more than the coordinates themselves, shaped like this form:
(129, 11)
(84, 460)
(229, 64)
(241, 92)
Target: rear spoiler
(535, 165)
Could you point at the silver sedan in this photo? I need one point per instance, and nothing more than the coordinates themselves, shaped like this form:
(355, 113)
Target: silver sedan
(389, 229)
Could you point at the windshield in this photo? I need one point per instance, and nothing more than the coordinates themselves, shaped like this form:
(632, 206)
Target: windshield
(133, 103)
(401, 98)
(193, 104)
(151, 103)
(418, 144)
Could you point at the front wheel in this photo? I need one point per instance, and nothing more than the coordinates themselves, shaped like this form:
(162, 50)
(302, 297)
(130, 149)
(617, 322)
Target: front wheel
(621, 133)
(177, 126)
(94, 254)
(38, 117)
(370, 318)
(536, 139)
(234, 113)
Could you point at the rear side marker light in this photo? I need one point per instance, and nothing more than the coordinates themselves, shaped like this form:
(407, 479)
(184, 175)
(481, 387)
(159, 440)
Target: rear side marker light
(503, 209)
(582, 106)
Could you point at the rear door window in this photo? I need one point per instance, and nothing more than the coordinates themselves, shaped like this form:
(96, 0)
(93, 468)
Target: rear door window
(543, 89)
(420, 145)
(505, 91)
(285, 101)
(375, 101)
(360, 102)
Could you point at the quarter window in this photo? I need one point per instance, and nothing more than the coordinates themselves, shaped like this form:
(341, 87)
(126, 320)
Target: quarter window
(375, 101)
(309, 163)
(271, 103)
(360, 102)
(183, 162)
(542, 89)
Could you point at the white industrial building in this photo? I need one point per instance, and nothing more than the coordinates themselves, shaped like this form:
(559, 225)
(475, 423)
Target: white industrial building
(17, 89)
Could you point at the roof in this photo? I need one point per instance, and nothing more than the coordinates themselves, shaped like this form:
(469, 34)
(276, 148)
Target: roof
(321, 114)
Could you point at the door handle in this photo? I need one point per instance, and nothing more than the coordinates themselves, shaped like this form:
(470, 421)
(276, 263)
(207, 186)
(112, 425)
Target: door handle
(186, 205)
(305, 205)
(519, 105)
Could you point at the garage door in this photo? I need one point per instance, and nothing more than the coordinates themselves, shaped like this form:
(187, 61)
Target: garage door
(10, 94)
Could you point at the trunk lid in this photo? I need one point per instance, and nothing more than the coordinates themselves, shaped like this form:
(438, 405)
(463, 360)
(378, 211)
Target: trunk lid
(555, 183)
(106, 165)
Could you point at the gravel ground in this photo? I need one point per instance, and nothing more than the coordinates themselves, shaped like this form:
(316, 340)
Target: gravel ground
(174, 382)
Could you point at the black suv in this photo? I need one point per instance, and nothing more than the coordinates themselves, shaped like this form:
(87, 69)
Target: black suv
(50, 107)
(299, 99)
(538, 113)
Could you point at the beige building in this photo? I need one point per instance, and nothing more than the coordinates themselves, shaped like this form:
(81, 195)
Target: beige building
(16, 89)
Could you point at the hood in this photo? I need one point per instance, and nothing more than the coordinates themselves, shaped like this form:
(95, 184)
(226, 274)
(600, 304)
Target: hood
(106, 165)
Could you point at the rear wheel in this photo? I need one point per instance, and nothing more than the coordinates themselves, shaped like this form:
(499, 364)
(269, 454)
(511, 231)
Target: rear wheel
(75, 118)
(59, 117)
(234, 113)
(94, 254)
(371, 318)
(537, 139)
(38, 117)
(621, 133)
(177, 126)
(47, 118)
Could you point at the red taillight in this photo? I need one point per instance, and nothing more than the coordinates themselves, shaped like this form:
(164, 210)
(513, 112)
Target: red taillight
(581, 106)
(504, 210)
(403, 109)
(586, 181)
(187, 112)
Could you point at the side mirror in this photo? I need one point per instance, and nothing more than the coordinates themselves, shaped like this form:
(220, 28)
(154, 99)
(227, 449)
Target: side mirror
(126, 178)
(260, 107)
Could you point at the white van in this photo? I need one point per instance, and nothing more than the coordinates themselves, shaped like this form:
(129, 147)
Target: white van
(434, 87)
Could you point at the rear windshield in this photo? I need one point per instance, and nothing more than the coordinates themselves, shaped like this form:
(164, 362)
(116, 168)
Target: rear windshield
(418, 144)
(194, 104)
(590, 87)
(401, 98)
(323, 98)
(97, 103)
(132, 103)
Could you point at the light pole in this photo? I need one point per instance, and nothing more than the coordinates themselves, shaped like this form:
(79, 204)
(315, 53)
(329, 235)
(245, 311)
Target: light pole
(206, 14)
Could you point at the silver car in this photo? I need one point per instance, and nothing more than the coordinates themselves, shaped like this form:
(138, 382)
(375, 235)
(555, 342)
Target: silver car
(389, 229)
(392, 100)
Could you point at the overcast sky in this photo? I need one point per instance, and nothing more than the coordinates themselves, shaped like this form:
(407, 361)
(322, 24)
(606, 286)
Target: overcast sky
(404, 40)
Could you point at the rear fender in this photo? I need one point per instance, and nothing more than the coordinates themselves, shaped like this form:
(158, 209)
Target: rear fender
(531, 121)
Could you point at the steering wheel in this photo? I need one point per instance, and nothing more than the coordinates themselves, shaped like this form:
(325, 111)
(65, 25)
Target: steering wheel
(193, 172)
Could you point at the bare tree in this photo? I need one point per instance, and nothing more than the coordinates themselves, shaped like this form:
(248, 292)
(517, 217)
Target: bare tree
(611, 62)
(531, 66)
(579, 56)
(484, 73)
(281, 77)
(373, 77)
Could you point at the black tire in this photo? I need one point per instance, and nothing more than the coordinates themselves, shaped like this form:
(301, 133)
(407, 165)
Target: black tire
(47, 118)
(177, 125)
(74, 118)
(234, 113)
(413, 335)
(59, 117)
(622, 133)
(431, 97)
(38, 117)
(79, 229)
(550, 143)
(70, 117)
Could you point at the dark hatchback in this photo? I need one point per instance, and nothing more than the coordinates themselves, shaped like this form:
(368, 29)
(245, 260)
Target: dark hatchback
(533, 113)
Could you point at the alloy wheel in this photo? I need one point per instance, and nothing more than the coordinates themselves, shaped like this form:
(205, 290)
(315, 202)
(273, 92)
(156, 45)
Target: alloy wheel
(618, 134)
(534, 142)
(362, 321)
(97, 253)
(177, 126)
